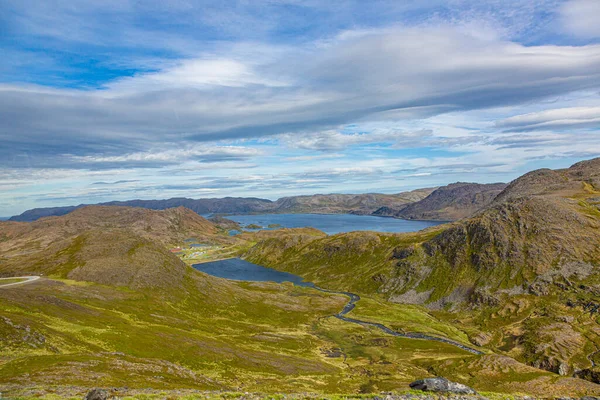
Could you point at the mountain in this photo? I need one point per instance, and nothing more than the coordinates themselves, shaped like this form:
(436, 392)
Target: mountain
(333, 203)
(447, 203)
(199, 206)
(48, 246)
(225, 223)
(347, 203)
(167, 226)
(522, 275)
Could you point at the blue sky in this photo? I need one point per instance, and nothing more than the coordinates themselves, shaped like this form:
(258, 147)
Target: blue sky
(120, 99)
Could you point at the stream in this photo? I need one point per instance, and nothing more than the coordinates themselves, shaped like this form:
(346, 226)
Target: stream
(241, 270)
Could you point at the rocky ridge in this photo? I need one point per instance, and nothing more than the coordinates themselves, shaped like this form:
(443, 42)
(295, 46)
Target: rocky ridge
(447, 203)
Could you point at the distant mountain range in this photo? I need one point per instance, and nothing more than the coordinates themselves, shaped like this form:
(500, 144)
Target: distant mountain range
(324, 204)
(450, 202)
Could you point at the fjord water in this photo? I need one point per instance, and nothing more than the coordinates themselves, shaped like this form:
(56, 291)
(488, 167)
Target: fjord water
(335, 223)
(240, 270)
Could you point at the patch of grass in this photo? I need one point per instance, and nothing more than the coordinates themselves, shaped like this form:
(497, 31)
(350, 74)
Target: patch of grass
(406, 318)
(4, 281)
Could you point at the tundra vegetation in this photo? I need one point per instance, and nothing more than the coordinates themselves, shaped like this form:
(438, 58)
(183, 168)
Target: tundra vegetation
(115, 308)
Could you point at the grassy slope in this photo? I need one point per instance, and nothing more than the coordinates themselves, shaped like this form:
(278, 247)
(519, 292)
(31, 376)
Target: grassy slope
(10, 281)
(116, 309)
(352, 261)
(248, 337)
(201, 332)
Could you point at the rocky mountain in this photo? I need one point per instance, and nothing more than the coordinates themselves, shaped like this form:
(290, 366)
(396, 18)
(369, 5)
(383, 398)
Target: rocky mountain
(225, 223)
(348, 203)
(447, 203)
(522, 274)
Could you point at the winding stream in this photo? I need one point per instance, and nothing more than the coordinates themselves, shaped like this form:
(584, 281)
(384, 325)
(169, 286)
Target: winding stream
(237, 269)
(411, 335)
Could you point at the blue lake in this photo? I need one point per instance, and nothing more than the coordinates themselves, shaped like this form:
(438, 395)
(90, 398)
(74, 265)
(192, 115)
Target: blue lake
(334, 223)
(240, 270)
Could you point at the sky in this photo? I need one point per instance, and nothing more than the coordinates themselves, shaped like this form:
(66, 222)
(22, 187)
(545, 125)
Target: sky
(119, 99)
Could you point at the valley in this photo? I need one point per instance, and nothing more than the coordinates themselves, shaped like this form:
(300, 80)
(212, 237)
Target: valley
(504, 301)
(300, 200)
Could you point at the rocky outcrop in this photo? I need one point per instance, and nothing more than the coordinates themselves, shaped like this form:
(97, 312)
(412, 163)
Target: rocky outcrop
(224, 223)
(447, 203)
(96, 394)
(441, 385)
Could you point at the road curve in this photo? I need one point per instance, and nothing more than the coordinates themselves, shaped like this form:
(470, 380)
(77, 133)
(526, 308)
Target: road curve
(28, 279)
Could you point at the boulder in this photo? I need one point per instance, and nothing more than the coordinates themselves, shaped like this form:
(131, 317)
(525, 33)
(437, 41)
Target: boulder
(96, 394)
(441, 385)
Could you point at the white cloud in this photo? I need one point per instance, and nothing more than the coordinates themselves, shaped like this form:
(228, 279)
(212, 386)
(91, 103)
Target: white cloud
(195, 73)
(581, 18)
(198, 153)
(333, 140)
(561, 118)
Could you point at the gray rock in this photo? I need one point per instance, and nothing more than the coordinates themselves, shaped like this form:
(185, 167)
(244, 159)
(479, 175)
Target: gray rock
(442, 385)
(96, 394)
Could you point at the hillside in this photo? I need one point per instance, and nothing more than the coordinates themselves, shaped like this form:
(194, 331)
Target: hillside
(527, 262)
(116, 310)
(168, 227)
(447, 203)
(110, 245)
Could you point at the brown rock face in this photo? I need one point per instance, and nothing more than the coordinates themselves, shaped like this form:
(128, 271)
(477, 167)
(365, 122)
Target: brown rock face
(448, 203)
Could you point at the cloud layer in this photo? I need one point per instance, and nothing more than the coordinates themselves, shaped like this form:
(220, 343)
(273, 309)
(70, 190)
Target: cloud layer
(273, 98)
(412, 73)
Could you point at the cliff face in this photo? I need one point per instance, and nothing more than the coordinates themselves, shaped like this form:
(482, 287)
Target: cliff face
(506, 246)
(448, 203)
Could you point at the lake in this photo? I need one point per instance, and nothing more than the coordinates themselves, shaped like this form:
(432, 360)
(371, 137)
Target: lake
(240, 270)
(334, 223)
